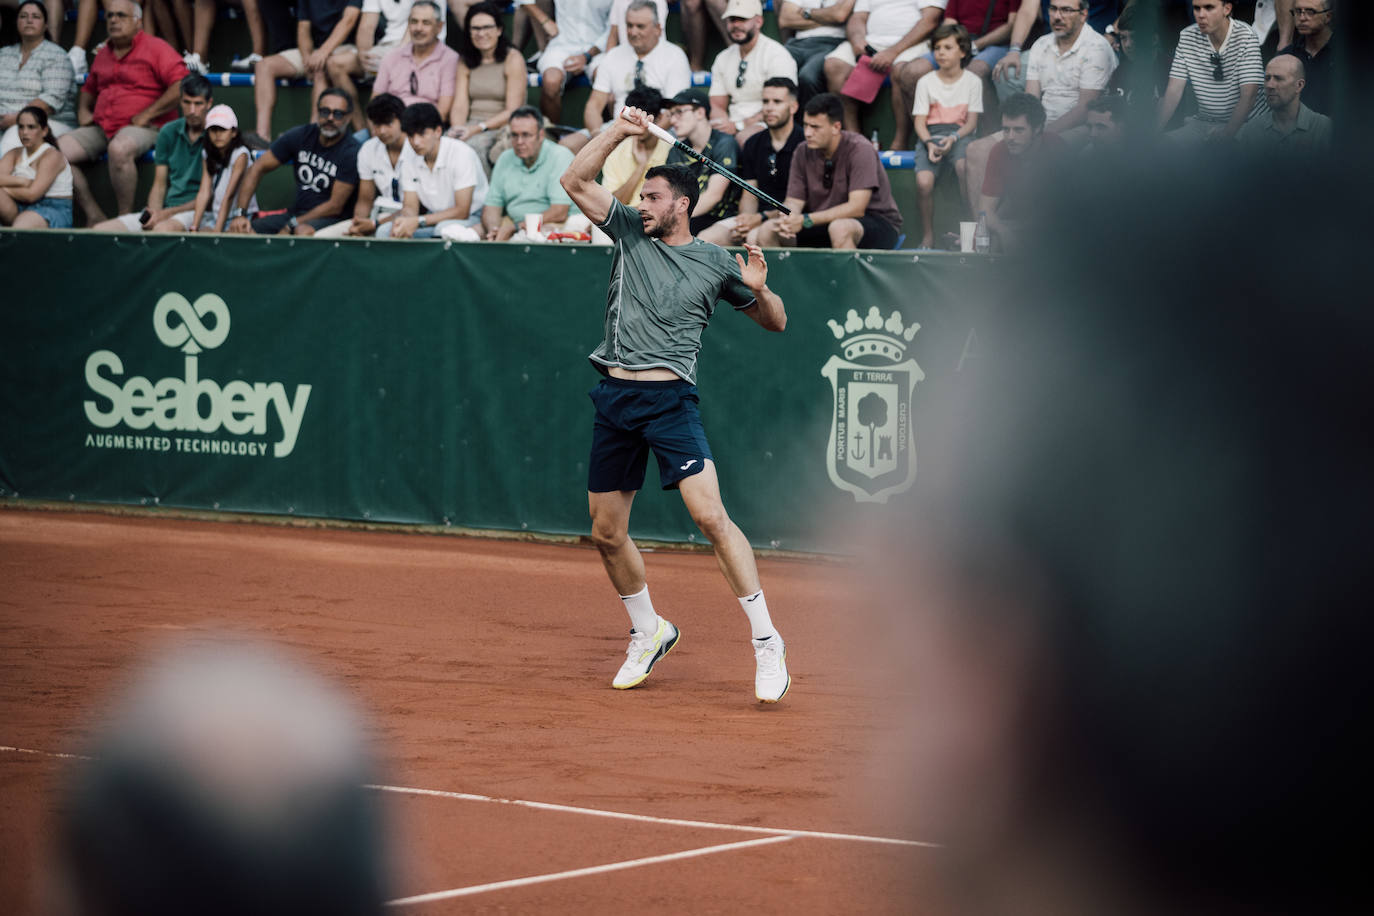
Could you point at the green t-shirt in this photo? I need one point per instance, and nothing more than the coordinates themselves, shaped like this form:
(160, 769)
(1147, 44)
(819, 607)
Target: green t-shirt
(661, 297)
(183, 160)
(519, 189)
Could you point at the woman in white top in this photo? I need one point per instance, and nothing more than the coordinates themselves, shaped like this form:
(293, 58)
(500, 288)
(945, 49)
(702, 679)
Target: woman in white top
(35, 178)
(226, 160)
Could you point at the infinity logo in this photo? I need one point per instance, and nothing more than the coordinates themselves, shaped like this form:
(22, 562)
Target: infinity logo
(190, 333)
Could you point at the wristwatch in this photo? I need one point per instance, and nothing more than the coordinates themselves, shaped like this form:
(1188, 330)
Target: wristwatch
(739, 125)
(806, 14)
(236, 213)
(482, 127)
(422, 221)
(1016, 48)
(807, 221)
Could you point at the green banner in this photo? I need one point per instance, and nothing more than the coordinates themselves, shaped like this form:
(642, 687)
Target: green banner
(446, 384)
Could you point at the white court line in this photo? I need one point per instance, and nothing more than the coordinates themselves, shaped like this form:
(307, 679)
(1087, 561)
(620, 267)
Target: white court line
(594, 812)
(645, 818)
(581, 872)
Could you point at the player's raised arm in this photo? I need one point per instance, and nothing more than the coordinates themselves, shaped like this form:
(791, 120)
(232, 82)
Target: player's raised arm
(768, 309)
(580, 178)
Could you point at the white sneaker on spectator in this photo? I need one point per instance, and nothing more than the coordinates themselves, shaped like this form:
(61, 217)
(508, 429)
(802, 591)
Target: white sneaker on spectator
(245, 63)
(193, 63)
(78, 58)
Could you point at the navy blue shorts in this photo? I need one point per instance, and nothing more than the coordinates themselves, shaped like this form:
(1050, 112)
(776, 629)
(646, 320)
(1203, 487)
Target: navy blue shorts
(634, 417)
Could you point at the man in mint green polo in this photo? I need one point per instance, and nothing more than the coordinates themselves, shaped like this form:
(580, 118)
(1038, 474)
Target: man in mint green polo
(525, 179)
(178, 162)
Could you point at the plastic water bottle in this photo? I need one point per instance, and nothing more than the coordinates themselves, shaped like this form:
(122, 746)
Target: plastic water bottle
(876, 145)
(982, 241)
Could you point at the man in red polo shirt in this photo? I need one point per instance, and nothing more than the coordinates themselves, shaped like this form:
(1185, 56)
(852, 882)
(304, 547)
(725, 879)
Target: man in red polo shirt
(131, 91)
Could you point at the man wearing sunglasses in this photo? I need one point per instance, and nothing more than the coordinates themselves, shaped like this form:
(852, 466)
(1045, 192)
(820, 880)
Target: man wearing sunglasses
(1220, 59)
(838, 191)
(739, 72)
(324, 159)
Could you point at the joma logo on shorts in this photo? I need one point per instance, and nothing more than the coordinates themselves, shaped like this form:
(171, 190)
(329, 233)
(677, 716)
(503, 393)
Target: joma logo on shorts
(191, 403)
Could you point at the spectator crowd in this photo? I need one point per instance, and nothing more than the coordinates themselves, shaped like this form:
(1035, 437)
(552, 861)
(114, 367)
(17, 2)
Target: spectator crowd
(419, 133)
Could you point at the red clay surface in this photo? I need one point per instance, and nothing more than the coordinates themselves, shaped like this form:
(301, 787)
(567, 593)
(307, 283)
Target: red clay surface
(485, 667)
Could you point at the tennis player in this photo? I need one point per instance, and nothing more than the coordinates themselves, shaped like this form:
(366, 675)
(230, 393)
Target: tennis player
(664, 287)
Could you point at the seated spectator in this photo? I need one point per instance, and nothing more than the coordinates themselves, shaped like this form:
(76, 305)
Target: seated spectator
(948, 103)
(490, 84)
(379, 171)
(818, 28)
(624, 170)
(695, 16)
(227, 161)
(989, 24)
(1021, 162)
(1143, 67)
(1009, 74)
(525, 179)
(224, 772)
(891, 33)
(131, 91)
(645, 60)
(838, 190)
(1107, 126)
(739, 72)
(178, 163)
(1312, 46)
(36, 72)
(766, 163)
(619, 27)
(324, 160)
(717, 198)
(1220, 59)
(583, 30)
(323, 30)
(394, 19)
(203, 24)
(1068, 68)
(424, 69)
(35, 179)
(532, 19)
(1288, 126)
(443, 186)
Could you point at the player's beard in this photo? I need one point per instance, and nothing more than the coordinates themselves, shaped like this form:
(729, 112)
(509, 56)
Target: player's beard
(662, 227)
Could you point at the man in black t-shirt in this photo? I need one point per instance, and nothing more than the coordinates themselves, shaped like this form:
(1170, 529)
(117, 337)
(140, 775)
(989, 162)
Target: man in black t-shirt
(765, 162)
(324, 159)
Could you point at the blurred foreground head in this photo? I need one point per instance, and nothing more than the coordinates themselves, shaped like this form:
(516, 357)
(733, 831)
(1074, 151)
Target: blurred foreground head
(227, 780)
(1140, 605)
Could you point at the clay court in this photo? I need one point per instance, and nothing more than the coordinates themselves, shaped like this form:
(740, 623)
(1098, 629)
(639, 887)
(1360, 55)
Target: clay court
(516, 779)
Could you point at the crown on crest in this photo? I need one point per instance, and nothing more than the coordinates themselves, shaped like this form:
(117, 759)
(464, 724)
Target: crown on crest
(865, 337)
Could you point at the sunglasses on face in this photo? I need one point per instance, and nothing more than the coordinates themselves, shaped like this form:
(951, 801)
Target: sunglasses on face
(1216, 66)
(739, 79)
(333, 114)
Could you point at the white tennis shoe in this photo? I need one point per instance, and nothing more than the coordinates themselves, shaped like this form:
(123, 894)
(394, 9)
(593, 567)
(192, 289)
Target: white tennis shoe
(645, 649)
(771, 679)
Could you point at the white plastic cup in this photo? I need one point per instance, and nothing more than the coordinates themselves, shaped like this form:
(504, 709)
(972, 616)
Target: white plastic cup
(966, 231)
(532, 221)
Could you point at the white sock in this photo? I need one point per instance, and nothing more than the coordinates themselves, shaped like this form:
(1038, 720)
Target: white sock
(756, 608)
(641, 609)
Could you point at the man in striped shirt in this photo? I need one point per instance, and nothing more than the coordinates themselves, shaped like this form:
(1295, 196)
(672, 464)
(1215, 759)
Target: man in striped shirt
(1220, 59)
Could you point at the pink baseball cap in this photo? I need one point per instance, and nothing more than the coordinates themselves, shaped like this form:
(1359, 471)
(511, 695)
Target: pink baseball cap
(221, 116)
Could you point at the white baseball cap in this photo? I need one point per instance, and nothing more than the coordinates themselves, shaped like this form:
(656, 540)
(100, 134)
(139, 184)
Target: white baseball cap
(743, 9)
(221, 116)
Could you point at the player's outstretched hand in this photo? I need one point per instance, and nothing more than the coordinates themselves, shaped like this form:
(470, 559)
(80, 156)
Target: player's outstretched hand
(636, 121)
(755, 270)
